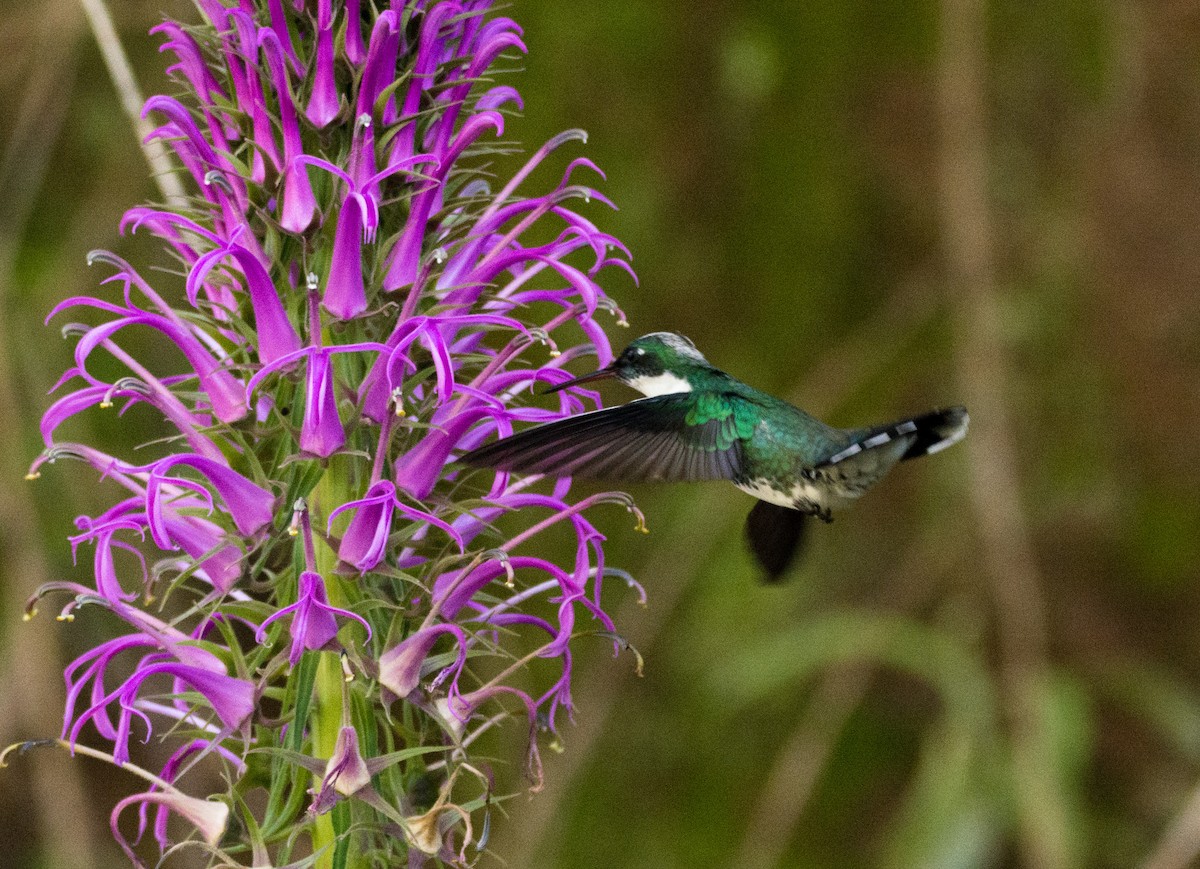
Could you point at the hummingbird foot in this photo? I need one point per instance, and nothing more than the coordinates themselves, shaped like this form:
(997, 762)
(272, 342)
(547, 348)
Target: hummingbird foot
(812, 508)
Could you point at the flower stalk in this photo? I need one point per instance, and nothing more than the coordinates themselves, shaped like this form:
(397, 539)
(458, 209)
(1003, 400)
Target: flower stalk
(314, 594)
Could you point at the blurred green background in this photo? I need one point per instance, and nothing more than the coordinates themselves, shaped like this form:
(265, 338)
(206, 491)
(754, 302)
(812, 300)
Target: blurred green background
(870, 208)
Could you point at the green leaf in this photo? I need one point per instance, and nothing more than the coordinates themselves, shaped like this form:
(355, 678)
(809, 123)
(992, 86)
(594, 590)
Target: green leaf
(948, 820)
(952, 668)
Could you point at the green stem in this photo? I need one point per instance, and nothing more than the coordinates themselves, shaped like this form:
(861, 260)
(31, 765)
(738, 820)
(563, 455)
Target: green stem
(329, 689)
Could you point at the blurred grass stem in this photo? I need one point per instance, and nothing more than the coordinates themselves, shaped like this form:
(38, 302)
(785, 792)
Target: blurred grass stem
(119, 70)
(967, 235)
(1180, 844)
(800, 762)
(32, 685)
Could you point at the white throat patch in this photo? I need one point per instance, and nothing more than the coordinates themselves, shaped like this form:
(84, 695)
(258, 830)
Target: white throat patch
(660, 384)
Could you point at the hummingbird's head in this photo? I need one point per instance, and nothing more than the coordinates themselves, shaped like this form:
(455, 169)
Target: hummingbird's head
(655, 364)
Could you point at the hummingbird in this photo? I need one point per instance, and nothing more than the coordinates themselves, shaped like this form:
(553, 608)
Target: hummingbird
(698, 423)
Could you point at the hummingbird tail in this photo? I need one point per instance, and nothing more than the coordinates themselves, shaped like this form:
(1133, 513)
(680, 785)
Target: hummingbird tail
(928, 433)
(935, 430)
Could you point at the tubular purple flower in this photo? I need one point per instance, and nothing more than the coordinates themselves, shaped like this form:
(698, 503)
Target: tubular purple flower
(276, 335)
(203, 84)
(365, 541)
(403, 260)
(480, 49)
(232, 699)
(358, 218)
(346, 296)
(323, 106)
(182, 133)
(453, 591)
(422, 77)
(100, 394)
(322, 433)
(386, 377)
(314, 622)
(379, 64)
(209, 817)
(250, 506)
(500, 96)
(278, 18)
(400, 666)
(376, 74)
(215, 560)
(356, 53)
(299, 205)
(262, 130)
(170, 772)
(223, 391)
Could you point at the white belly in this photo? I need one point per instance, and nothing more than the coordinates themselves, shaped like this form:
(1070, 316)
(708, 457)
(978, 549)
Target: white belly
(833, 487)
(821, 494)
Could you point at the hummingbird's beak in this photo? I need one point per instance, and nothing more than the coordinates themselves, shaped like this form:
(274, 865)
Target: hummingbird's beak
(603, 374)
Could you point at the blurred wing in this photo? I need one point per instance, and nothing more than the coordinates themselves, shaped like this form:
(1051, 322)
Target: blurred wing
(776, 535)
(648, 439)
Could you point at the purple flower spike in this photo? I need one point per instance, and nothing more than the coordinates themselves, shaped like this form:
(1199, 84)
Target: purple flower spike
(502, 282)
(314, 622)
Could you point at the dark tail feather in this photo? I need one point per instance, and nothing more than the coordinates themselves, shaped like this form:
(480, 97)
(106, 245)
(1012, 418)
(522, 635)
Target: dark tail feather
(930, 433)
(775, 534)
(936, 430)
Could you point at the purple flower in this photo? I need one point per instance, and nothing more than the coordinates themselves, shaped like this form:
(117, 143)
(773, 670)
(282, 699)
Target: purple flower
(250, 506)
(346, 773)
(358, 220)
(365, 541)
(321, 433)
(400, 667)
(209, 817)
(231, 699)
(324, 104)
(314, 622)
